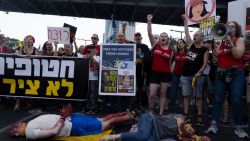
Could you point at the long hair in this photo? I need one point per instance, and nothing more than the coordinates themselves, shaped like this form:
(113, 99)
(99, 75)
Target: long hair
(238, 31)
(177, 45)
(203, 13)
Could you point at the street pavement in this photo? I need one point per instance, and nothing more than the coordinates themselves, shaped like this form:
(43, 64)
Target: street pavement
(8, 116)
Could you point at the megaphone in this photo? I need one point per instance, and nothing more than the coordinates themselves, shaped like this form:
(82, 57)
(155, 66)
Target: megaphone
(220, 31)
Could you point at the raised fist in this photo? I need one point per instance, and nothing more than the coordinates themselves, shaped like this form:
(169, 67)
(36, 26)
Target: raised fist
(149, 17)
(184, 18)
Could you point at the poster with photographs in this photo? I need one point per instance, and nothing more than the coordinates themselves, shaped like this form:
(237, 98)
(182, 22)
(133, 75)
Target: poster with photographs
(117, 70)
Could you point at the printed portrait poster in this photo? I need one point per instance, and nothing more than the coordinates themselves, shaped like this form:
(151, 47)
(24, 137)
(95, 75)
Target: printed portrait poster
(117, 70)
(206, 26)
(198, 10)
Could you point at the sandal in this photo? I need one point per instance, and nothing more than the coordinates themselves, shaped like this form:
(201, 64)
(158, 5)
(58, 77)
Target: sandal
(200, 121)
(16, 108)
(225, 119)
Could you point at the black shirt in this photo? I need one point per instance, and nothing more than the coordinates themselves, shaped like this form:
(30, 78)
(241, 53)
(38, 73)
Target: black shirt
(195, 57)
(141, 50)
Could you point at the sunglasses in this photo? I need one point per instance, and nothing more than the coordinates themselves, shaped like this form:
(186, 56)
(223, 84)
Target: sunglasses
(94, 38)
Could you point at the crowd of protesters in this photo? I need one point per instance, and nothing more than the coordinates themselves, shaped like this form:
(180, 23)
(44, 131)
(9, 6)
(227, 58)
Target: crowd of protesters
(209, 73)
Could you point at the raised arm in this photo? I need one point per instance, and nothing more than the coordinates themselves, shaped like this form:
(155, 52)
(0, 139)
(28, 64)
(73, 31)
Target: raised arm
(75, 45)
(124, 27)
(149, 27)
(56, 47)
(188, 37)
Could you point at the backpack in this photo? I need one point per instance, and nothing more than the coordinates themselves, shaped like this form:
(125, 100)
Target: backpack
(166, 126)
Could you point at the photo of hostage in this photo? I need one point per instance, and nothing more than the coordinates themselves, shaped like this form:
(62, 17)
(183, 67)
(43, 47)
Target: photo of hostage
(198, 11)
(126, 83)
(67, 123)
(154, 128)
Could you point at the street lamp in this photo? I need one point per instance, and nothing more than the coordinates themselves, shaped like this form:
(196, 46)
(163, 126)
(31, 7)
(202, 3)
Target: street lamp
(179, 31)
(85, 41)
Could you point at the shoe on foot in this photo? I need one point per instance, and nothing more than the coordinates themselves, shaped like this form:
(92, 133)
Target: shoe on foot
(212, 129)
(200, 123)
(225, 120)
(187, 118)
(89, 112)
(241, 133)
(93, 112)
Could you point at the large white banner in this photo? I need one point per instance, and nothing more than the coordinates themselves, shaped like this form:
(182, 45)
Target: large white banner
(198, 10)
(59, 34)
(117, 75)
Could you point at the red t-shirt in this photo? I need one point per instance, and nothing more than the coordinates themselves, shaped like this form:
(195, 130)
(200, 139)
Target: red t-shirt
(161, 59)
(86, 50)
(180, 60)
(6, 50)
(226, 59)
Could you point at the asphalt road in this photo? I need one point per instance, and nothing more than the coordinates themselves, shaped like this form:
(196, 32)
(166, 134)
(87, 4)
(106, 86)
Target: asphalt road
(8, 116)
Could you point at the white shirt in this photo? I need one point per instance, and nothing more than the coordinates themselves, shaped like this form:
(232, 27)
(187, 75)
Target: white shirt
(46, 122)
(92, 75)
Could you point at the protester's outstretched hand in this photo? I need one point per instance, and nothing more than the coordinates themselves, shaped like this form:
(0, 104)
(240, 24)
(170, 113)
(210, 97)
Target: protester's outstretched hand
(66, 111)
(124, 25)
(184, 18)
(149, 18)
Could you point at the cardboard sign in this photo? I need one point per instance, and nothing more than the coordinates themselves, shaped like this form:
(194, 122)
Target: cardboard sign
(72, 30)
(59, 34)
(206, 26)
(117, 75)
(198, 10)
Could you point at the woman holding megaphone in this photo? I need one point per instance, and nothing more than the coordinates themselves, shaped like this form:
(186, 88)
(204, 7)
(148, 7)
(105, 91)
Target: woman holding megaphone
(230, 77)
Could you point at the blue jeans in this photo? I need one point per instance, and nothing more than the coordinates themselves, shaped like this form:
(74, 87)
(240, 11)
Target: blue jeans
(146, 130)
(174, 91)
(186, 85)
(235, 88)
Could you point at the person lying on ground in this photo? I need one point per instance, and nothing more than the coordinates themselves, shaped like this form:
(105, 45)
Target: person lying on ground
(66, 124)
(154, 128)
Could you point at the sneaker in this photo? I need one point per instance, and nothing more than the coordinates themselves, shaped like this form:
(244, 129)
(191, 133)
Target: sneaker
(89, 112)
(241, 133)
(93, 112)
(212, 129)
